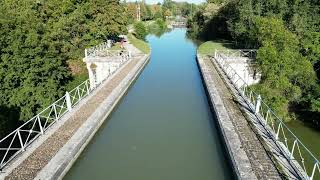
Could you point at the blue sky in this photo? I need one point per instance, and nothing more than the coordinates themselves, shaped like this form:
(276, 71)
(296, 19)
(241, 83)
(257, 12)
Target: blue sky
(156, 1)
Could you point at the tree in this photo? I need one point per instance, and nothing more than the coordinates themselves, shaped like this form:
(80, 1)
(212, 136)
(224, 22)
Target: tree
(132, 12)
(140, 30)
(216, 1)
(167, 4)
(38, 38)
(32, 74)
(286, 74)
(288, 53)
(167, 13)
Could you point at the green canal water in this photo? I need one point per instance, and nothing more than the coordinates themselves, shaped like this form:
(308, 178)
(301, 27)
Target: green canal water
(163, 128)
(308, 135)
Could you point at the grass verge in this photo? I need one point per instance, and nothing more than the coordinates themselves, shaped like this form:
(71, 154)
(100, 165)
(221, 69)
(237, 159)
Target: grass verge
(208, 47)
(141, 45)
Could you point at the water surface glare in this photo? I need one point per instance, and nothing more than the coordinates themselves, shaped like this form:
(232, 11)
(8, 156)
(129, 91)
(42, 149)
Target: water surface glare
(162, 129)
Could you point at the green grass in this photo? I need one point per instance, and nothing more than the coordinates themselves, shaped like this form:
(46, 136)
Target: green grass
(208, 47)
(116, 46)
(141, 45)
(76, 80)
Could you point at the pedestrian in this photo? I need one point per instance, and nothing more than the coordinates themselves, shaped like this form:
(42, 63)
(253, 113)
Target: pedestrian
(254, 74)
(121, 43)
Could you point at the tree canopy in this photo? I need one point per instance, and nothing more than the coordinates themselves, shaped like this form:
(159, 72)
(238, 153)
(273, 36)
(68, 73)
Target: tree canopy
(286, 34)
(38, 38)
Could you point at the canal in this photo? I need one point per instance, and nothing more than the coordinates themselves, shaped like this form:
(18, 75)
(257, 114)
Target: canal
(162, 128)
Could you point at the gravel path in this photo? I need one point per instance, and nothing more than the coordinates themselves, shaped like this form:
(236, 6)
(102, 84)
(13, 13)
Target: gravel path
(29, 168)
(261, 163)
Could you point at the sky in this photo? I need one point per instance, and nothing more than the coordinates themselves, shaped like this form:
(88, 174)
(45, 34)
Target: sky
(156, 1)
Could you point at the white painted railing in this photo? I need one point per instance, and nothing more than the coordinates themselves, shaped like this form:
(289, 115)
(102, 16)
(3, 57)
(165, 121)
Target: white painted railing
(17, 141)
(249, 53)
(296, 152)
(93, 51)
(114, 53)
(102, 50)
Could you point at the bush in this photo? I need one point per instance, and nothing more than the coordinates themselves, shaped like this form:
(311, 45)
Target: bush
(140, 30)
(161, 23)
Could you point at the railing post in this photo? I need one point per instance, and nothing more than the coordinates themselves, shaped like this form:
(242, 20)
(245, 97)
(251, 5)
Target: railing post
(78, 92)
(68, 100)
(87, 86)
(314, 170)
(250, 94)
(258, 104)
(215, 54)
(20, 139)
(55, 111)
(85, 52)
(39, 121)
(278, 131)
(292, 150)
(108, 43)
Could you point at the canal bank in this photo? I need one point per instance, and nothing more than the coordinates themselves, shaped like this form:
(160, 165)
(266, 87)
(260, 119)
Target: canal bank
(163, 128)
(237, 156)
(50, 156)
(287, 144)
(249, 158)
(68, 154)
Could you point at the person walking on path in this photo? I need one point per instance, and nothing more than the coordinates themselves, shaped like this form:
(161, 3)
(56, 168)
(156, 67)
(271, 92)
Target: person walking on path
(121, 43)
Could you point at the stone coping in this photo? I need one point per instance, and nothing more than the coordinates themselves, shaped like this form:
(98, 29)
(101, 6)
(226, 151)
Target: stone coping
(238, 158)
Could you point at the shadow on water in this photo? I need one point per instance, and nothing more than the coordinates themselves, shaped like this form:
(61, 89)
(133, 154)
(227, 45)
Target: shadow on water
(162, 128)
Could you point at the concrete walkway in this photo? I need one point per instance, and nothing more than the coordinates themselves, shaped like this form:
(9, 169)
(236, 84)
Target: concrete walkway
(250, 158)
(46, 149)
(288, 168)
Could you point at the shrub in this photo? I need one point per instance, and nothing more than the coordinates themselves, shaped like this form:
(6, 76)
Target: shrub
(140, 30)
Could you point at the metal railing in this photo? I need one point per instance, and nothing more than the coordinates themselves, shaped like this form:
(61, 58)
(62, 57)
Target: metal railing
(249, 53)
(93, 51)
(113, 53)
(102, 50)
(294, 150)
(17, 141)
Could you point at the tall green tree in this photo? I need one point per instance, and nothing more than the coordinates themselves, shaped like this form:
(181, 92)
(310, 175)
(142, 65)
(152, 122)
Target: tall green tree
(37, 40)
(286, 34)
(286, 74)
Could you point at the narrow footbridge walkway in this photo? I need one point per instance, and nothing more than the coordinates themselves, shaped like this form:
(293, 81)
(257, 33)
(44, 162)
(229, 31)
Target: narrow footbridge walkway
(273, 150)
(53, 128)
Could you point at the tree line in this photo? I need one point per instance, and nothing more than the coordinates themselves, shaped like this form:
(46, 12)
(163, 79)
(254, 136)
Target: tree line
(155, 16)
(38, 41)
(287, 36)
(158, 11)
